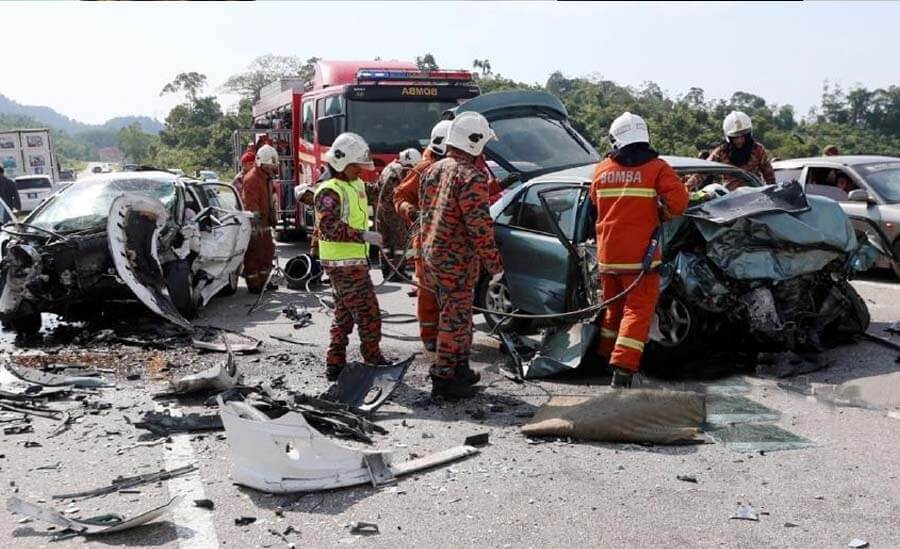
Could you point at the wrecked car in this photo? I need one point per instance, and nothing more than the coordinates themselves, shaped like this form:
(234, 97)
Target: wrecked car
(170, 242)
(765, 266)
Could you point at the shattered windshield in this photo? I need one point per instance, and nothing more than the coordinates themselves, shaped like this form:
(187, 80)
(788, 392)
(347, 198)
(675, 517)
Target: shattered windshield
(391, 126)
(538, 141)
(85, 205)
(884, 178)
(697, 178)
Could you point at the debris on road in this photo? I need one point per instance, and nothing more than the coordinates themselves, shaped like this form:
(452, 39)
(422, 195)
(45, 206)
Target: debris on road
(244, 521)
(363, 528)
(103, 524)
(290, 340)
(481, 439)
(218, 378)
(204, 504)
(164, 424)
(640, 415)
(746, 512)
(306, 460)
(687, 478)
(130, 482)
(365, 387)
(220, 340)
(37, 377)
(857, 543)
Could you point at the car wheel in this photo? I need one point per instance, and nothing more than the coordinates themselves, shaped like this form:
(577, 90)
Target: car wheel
(232, 287)
(26, 325)
(855, 320)
(180, 282)
(675, 336)
(497, 297)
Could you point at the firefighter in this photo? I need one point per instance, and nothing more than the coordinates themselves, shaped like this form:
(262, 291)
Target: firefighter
(739, 150)
(390, 225)
(406, 204)
(247, 161)
(632, 189)
(457, 239)
(257, 198)
(342, 220)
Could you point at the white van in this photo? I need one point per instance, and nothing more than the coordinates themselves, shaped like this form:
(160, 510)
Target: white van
(33, 189)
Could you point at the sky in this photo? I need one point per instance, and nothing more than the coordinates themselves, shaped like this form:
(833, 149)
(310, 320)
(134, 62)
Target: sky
(95, 60)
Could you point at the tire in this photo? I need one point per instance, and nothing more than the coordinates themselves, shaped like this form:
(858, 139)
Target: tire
(232, 287)
(682, 326)
(180, 283)
(498, 298)
(854, 321)
(26, 325)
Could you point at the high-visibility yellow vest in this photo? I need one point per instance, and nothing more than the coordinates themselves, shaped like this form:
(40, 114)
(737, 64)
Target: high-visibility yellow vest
(355, 213)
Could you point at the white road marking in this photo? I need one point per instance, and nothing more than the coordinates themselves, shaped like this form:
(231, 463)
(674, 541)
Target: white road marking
(193, 524)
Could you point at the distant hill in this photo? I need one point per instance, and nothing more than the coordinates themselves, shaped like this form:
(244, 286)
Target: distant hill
(53, 119)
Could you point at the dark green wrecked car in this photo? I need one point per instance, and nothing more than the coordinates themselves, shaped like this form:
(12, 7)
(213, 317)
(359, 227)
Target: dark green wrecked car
(761, 267)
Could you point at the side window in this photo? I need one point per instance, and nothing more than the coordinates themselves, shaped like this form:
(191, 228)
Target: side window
(221, 196)
(309, 121)
(831, 183)
(509, 213)
(330, 106)
(563, 205)
(786, 175)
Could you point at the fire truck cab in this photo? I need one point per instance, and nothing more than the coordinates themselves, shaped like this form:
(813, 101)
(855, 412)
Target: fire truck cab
(391, 104)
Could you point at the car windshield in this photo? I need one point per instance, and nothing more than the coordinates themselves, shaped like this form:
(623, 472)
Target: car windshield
(539, 141)
(391, 126)
(26, 183)
(85, 205)
(697, 178)
(884, 177)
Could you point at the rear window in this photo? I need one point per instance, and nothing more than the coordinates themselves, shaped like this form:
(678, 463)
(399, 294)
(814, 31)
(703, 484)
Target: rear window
(29, 183)
(539, 141)
(788, 174)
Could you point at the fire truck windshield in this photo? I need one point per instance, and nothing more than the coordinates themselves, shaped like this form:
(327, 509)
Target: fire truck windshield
(391, 126)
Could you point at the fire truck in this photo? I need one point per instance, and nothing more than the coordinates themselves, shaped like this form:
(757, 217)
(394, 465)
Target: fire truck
(391, 104)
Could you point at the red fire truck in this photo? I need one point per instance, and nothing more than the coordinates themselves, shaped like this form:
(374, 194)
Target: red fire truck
(391, 104)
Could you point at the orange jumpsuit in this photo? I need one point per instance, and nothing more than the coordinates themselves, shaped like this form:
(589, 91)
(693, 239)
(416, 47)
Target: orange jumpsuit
(627, 200)
(256, 195)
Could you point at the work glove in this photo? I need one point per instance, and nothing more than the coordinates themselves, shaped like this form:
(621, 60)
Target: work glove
(374, 238)
(509, 180)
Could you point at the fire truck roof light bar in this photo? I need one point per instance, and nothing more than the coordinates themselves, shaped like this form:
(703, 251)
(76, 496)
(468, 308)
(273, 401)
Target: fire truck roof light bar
(377, 74)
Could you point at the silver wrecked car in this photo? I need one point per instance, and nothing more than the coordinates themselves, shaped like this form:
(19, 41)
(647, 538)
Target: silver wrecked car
(170, 242)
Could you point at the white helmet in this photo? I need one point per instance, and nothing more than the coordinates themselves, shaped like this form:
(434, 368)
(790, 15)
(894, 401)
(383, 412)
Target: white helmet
(409, 157)
(627, 129)
(267, 156)
(438, 143)
(736, 123)
(349, 148)
(470, 132)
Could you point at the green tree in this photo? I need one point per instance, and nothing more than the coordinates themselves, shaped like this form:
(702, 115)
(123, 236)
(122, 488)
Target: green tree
(267, 69)
(426, 63)
(137, 146)
(191, 83)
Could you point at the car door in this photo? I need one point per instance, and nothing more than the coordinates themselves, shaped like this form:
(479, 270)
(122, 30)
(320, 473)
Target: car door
(224, 235)
(537, 264)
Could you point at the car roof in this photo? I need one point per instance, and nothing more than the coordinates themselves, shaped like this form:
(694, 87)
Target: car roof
(33, 176)
(586, 173)
(843, 160)
(112, 176)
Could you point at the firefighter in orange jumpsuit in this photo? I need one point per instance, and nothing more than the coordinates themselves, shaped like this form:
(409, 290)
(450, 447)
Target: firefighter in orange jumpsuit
(632, 189)
(257, 198)
(406, 202)
(247, 161)
(457, 238)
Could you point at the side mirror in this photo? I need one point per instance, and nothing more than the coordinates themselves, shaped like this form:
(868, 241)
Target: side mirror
(859, 195)
(328, 128)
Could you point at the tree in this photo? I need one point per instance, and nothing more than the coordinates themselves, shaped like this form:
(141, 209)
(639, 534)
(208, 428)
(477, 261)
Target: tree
(137, 146)
(426, 63)
(267, 69)
(484, 65)
(189, 82)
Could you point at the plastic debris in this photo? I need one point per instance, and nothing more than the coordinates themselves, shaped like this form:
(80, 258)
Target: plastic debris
(746, 512)
(857, 543)
(244, 521)
(204, 504)
(687, 478)
(363, 528)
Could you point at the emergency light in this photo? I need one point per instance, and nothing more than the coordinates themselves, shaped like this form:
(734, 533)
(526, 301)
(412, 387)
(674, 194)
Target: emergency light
(379, 74)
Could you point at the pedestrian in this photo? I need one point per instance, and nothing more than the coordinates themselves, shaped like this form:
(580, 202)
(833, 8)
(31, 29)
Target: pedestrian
(406, 204)
(247, 161)
(390, 225)
(631, 189)
(457, 238)
(9, 193)
(831, 150)
(342, 220)
(257, 198)
(739, 150)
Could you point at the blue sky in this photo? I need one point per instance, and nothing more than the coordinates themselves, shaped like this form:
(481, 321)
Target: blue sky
(93, 61)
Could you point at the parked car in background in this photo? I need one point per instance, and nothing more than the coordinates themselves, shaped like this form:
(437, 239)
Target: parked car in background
(67, 175)
(171, 243)
(177, 171)
(873, 191)
(33, 189)
(207, 175)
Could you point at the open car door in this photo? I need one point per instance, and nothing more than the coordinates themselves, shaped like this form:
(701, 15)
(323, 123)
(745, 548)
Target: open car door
(224, 235)
(134, 224)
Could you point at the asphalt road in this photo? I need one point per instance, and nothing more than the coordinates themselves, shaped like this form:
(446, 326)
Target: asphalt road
(516, 492)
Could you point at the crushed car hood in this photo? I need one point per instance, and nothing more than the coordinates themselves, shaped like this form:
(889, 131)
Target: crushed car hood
(134, 223)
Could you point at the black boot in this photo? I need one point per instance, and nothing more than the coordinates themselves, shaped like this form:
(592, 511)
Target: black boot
(430, 345)
(332, 371)
(467, 375)
(451, 388)
(621, 379)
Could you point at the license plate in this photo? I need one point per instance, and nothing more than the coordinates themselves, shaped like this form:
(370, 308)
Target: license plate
(32, 195)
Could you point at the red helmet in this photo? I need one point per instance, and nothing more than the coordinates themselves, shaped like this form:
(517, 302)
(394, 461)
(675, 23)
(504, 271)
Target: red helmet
(248, 156)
